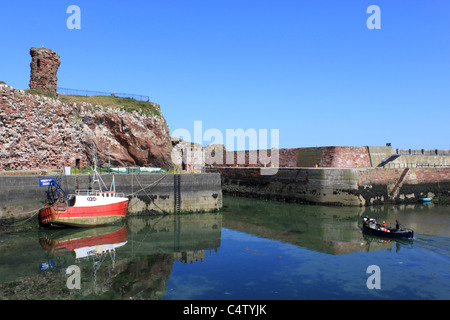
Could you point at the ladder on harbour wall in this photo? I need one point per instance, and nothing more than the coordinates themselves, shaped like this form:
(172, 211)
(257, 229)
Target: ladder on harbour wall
(177, 193)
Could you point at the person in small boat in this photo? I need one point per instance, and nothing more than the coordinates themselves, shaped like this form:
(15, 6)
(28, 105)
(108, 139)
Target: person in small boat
(384, 224)
(397, 225)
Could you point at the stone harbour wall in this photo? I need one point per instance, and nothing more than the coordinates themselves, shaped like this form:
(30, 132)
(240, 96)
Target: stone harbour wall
(21, 196)
(338, 186)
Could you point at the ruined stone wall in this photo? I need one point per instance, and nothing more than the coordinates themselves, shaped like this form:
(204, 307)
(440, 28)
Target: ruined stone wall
(44, 66)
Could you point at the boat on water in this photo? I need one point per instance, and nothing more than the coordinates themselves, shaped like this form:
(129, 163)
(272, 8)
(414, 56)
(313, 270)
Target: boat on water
(425, 200)
(372, 227)
(85, 208)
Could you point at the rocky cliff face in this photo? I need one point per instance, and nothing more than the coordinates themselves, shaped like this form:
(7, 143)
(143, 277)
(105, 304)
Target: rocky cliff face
(37, 132)
(127, 138)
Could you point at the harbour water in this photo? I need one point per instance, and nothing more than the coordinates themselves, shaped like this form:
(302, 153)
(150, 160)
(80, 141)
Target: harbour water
(254, 250)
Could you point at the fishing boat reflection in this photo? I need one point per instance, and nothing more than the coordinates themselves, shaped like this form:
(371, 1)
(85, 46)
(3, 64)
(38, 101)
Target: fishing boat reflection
(84, 243)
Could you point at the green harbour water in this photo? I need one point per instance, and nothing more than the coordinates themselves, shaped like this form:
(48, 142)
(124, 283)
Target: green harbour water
(253, 250)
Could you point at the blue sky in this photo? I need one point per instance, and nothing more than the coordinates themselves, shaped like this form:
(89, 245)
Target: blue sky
(310, 68)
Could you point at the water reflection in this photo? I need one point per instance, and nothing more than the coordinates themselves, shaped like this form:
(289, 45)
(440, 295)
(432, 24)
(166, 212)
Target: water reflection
(324, 229)
(132, 260)
(332, 230)
(263, 244)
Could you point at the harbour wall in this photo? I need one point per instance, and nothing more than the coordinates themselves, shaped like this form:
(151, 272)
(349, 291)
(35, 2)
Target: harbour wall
(21, 196)
(327, 157)
(337, 186)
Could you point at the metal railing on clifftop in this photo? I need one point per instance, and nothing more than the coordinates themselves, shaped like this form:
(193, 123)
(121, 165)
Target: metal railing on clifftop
(89, 93)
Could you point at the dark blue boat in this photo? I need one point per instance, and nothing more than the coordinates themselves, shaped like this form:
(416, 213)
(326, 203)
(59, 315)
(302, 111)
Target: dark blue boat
(372, 227)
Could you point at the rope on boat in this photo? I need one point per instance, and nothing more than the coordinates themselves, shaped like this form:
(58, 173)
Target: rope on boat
(143, 188)
(154, 184)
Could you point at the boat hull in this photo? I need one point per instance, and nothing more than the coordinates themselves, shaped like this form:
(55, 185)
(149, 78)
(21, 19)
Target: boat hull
(83, 217)
(409, 234)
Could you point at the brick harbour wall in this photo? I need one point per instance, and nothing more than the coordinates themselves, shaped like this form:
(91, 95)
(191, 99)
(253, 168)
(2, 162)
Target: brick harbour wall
(414, 176)
(325, 157)
(338, 157)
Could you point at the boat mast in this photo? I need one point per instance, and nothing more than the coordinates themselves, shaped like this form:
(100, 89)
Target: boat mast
(97, 177)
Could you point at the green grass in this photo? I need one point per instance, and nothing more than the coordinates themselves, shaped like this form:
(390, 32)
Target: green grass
(127, 104)
(40, 93)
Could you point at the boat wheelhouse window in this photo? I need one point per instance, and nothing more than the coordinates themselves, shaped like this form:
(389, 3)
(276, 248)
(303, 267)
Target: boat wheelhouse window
(71, 202)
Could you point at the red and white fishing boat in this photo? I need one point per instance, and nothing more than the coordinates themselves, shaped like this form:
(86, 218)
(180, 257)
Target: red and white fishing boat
(84, 208)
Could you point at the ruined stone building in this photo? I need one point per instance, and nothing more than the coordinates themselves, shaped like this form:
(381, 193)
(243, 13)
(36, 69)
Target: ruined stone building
(44, 66)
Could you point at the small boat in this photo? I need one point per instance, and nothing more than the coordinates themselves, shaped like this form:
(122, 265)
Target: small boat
(425, 200)
(372, 227)
(84, 208)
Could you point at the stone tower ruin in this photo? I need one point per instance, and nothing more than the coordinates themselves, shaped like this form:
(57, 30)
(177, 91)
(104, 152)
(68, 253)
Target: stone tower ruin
(44, 66)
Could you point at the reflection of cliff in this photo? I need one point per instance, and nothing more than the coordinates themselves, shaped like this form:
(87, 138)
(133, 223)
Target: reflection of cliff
(313, 227)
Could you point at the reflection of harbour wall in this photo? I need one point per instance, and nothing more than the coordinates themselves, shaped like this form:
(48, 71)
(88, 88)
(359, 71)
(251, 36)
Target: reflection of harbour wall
(146, 250)
(175, 234)
(338, 186)
(148, 192)
(319, 228)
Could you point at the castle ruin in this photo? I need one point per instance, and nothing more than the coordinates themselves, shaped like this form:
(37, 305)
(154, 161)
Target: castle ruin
(44, 66)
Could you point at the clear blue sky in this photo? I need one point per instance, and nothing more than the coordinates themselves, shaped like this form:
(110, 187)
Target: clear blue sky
(310, 68)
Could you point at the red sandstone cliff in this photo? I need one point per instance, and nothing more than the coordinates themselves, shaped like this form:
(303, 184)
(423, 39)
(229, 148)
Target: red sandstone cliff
(37, 132)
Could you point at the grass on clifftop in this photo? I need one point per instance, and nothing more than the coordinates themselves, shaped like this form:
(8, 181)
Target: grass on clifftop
(129, 104)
